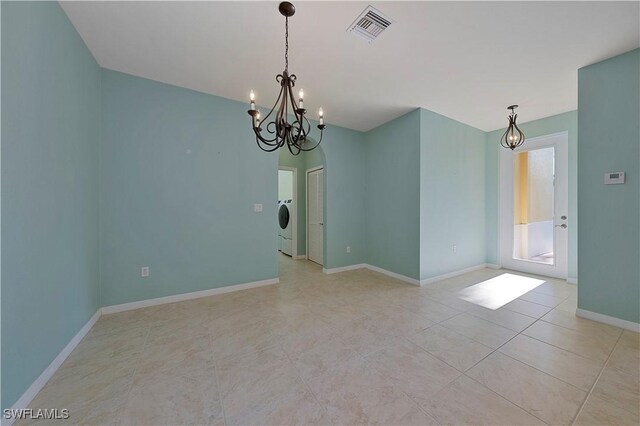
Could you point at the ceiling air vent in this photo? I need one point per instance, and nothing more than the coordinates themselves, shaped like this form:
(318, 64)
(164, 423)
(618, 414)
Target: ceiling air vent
(370, 24)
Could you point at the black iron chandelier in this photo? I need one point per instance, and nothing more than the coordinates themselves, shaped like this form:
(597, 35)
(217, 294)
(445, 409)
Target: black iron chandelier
(513, 137)
(280, 132)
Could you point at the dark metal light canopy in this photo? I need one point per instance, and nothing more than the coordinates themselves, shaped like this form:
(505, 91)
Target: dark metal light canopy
(280, 132)
(513, 137)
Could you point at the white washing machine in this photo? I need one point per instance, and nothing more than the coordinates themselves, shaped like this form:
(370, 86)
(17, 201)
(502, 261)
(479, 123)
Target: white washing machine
(279, 229)
(285, 219)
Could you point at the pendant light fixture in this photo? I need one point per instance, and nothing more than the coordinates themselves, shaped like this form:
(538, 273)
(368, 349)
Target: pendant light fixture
(513, 137)
(279, 131)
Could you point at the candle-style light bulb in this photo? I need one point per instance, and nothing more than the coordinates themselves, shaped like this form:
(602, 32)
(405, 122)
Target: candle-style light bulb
(252, 98)
(321, 114)
(301, 98)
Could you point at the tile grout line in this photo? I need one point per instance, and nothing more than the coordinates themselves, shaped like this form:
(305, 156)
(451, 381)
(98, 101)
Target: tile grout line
(418, 406)
(502, 397)
(558, 347)
(544, 372)
(304, 383)
(595, 382)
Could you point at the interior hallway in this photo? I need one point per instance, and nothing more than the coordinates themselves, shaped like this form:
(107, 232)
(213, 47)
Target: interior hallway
(351, 348)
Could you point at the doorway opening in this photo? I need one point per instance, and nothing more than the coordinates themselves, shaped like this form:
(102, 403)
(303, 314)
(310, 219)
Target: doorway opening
(315, 215)
(294, 240)
(287, 211)
(533, 206)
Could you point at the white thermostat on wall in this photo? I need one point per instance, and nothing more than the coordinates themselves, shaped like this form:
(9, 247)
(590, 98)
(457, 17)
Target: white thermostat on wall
(613, 178)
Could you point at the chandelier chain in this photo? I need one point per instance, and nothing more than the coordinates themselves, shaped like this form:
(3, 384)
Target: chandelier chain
(286, 44)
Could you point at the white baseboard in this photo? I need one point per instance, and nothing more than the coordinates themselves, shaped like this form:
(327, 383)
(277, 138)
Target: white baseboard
(372, 268)
(493, 266)
(185, 296)
(344, 268)
(38, 384)
(395, 275)
(300, 256)
(572, 280)
(435, 279)
(606, 319)
(406, 279)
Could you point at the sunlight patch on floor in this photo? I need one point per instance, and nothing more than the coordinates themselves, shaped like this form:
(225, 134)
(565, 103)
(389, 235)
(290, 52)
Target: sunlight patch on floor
(499, 291)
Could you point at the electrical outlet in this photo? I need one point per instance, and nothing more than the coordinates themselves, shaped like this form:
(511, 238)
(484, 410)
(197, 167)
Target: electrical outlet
(257, 208)
(348, 249)
(455, 248)
(144, 271)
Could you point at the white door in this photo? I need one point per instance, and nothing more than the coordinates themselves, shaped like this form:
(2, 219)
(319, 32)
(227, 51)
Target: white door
(533, 206)
(315, 215)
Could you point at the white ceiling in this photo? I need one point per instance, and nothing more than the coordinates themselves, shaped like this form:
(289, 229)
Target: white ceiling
(464, 60)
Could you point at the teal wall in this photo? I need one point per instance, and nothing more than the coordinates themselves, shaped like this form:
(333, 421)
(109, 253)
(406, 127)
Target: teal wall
(566, 122)
(452, 195)
(609, 227)
(341, 154)
(392, 186)
(50, 137)
(180, 174)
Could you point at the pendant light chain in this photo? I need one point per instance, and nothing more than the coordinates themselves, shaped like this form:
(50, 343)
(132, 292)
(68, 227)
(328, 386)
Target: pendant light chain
(286, 44)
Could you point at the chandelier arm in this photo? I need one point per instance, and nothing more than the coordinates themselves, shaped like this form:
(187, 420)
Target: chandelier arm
(314, 146)
(264, 120)
(283, 111)
(273, 147)
(266, 141)
(308, 131)
(290, 147)
(298, 113)
(503, 139)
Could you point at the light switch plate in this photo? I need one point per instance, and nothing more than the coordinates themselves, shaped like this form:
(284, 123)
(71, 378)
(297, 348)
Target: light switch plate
(613, 178)
(257, 208)
(144, 271)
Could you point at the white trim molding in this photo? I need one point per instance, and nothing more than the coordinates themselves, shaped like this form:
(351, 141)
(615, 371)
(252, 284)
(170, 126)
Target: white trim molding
(493, 266)
(395, 275)
(185, 296)
(572, 280)
(410, 280)
(344, 268)
(435, 279)
(606, 319)
(31, 392)
(300, 256)
(372, 268)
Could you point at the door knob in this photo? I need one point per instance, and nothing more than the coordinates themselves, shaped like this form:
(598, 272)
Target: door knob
(563, 217)
(563, 226)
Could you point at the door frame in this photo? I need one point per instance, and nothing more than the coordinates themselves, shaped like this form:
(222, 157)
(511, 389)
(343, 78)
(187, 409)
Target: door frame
(324, 201)
(503, 212)
(294, 213)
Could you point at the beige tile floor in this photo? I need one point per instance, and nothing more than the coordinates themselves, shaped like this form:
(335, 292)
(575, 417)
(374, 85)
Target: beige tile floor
(352, 348)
